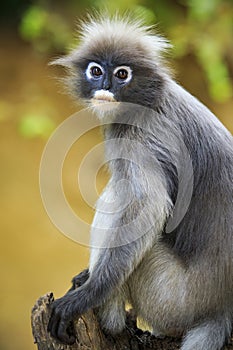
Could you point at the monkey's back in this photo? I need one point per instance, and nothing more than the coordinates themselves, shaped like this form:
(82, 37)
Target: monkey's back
(207, 227)
(191, 271)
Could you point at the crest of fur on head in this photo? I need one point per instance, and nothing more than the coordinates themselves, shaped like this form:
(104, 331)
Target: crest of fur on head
(117, 32)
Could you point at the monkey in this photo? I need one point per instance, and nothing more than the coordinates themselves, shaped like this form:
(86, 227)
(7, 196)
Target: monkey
(176, 274)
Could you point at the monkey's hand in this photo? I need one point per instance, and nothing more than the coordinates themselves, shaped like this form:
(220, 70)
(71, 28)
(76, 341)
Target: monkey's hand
(79, 280)
(63, 313)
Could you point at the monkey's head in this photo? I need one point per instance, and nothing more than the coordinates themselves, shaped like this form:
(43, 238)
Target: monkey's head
(116, 61)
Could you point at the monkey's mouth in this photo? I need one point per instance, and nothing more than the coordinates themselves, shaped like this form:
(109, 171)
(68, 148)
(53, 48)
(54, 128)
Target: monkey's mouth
(103, 102)
(103, 96)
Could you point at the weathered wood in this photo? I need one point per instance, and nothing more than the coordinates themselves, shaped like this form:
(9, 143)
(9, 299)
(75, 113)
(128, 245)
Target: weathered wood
(91, 337)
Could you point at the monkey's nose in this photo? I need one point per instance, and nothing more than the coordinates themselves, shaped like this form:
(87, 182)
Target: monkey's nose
(106, 84)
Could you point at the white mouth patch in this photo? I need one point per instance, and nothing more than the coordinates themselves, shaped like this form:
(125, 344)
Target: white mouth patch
(103, 96)
(103, 104)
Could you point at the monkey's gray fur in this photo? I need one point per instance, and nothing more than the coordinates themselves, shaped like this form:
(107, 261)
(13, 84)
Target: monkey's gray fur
(169, 255)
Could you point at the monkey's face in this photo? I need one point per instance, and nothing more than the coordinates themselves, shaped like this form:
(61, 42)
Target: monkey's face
(104, 83)
(110, 75)
(116, 61)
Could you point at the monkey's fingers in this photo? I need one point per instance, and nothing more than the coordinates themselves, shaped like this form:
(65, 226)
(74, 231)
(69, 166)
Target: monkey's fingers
(61, 329)
(53, 324)
(65, 332)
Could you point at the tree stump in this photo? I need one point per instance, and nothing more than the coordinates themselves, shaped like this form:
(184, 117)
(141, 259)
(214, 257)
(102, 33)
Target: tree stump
(91, 337)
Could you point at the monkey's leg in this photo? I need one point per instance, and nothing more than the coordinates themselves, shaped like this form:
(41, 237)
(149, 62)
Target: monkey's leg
(210, 335)
(112, 314)
(174, 300)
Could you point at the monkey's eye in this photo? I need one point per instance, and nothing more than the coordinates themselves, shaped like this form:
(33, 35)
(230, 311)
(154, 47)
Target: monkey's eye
(123, 73)
(94, 70)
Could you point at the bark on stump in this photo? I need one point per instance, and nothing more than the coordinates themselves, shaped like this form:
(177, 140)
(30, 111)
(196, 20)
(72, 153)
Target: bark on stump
(91, 337)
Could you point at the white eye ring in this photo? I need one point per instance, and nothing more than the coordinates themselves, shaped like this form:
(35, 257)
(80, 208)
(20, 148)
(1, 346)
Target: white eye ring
(90, 66)
(124, 68)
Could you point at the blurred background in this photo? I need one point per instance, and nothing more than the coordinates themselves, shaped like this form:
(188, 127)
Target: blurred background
(35, 257)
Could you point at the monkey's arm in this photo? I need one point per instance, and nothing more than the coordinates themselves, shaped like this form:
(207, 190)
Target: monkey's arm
(111, 269)
(122, 233)
(104, 278)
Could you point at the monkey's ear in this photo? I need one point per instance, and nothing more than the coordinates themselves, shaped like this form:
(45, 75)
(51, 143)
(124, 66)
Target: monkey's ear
(65, 61)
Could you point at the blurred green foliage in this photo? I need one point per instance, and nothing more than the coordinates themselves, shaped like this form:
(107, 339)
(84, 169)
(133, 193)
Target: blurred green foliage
(202, 28)
(36, 125)
(46, 31)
